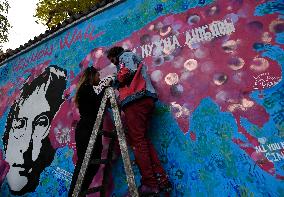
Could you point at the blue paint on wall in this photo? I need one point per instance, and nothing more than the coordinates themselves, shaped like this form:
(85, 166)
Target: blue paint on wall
(210, 165)
(213, 165)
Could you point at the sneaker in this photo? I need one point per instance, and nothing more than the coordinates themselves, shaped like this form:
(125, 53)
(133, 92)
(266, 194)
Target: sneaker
(146, 191)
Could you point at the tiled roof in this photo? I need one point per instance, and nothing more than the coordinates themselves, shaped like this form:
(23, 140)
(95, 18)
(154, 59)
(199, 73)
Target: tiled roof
(71, 21)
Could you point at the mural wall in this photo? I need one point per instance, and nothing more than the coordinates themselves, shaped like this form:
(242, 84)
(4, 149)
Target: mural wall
(219, 122)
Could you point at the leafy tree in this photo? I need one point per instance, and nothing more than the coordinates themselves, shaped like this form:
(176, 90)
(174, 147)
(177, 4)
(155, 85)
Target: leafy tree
(4, 23)
(52, 12)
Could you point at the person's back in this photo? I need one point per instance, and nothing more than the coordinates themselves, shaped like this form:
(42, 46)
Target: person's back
(137, 97)
(132, 62)
(88, 102)
(88, 99)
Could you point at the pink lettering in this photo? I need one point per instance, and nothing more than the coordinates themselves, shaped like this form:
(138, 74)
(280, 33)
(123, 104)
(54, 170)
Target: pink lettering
(66, 40)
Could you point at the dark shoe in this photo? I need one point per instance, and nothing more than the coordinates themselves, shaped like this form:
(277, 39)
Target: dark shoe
(146, 191)
(164, 184)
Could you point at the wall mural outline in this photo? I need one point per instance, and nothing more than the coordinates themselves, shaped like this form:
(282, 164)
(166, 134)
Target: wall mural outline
(192, 80)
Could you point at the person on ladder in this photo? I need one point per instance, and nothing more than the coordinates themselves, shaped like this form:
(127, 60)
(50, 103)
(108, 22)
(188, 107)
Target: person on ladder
(137, 96)
(90, 90)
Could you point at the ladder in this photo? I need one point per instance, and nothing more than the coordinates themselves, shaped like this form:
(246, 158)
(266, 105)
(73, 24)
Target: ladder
(108, 95)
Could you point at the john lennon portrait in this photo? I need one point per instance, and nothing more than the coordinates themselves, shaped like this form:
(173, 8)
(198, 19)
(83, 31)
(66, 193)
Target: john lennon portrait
(27, 145)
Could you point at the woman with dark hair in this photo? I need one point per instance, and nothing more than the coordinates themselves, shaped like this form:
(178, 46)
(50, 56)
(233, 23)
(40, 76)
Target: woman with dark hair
(88, 98)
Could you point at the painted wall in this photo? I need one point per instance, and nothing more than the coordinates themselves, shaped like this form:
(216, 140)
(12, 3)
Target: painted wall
(219, 122)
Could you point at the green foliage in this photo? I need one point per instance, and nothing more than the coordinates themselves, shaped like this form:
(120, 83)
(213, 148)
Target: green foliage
(52, 12)
(4, 23)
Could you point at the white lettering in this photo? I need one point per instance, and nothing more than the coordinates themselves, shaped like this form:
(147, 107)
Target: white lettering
(195, 35)
(213, 27)
(158, 49)
(280, 156)
(282, 144)
(229, 26)
(222, 28)
(175, 41)
(147, 50)
(167, 44)
(260, 149)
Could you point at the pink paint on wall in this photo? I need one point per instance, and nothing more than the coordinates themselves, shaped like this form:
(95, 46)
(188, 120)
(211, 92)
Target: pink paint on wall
(223, 68)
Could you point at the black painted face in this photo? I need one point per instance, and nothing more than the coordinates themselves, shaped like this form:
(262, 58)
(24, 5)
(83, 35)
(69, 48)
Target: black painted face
(27, 146)
(29, 128)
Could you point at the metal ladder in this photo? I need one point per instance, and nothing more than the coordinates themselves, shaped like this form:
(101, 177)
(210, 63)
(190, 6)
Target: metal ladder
(108, 95)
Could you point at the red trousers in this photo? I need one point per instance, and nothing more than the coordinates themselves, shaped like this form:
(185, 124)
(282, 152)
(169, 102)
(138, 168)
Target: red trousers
(137, 116)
